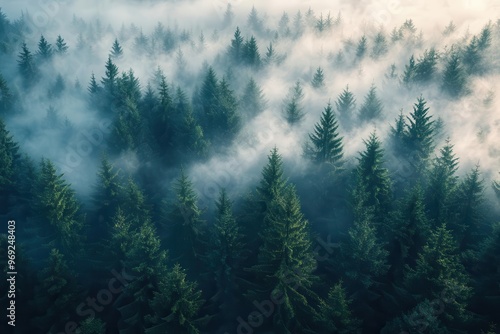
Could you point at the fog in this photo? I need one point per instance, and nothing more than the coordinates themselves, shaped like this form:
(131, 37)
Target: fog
(75, 143)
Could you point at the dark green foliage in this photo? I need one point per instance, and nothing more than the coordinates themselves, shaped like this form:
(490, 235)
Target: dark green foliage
(286, 263)
(409, 74)
(438, 274)
(175, 305)
(419, 134)
(293, 109)
(345, 105)
(442, 184)
(27, 67)
(57, 210)
(454, 77)
(237, 46)
(336, 312)
(373, 178)
(251, 55)
(127, 127)
(318, 80)
(425, 68)
(325, 143)
(372, 106)
(92, 326)
(273, 182)
(8, 155)
(61, 46)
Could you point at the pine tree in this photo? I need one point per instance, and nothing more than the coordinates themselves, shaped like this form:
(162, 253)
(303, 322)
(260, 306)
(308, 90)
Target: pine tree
(61, 46)
(467, 210)
(438, 272)
(92, 326)
(254, 21)
(116, 50)
(8, 157)
(27, 67)
(364, 257)
(6, 98)
(57, 210)
(237, 47)
(251, 54)
(336, 312)
(293, 110)
(373, 178)
(442, 184)
(361, 48)
(318, 80)
(425, 68)
(283, 28)
(419, 134)
(182, 218)
(379, 48)
(454, 78)
(253, 101)
(272, 183)
(228, 15)
(226, 121)
(372, 106)
(56, 294)
(175, 305)
(127, 127)
(286, 264)
(109, 82)
(345, 105)
(45, 51)
(325, 144)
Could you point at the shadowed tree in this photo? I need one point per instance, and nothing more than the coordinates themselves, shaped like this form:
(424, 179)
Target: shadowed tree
(361, 48)
(61, 46)
(346, 105)
(454, 77)
(372, 106)
(336, 313)
(293, 110)
(45, 50)
(253, 101)
(27, 67)
(325, 143)
(318, 80)
(116, 50)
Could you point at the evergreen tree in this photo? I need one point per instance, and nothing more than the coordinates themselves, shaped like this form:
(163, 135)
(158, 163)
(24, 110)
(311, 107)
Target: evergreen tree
(361, 48)
(55, 295)
(254, 21)
(345, 105)
(61, 46)
(109, 82)
(8, 157)
(27, 67)
(442, 184)
(467, 210)
(45, 51)
(372, 106)
(283, 28)
(236, 49)
(379, 48)
(419, 134)
(286, 264)
(253, 101)
(373, 178)
(228, 15)
(175, 305)
(57, 210)
(454, 78)
(293, 110)
(438, 272)
(325, 144)
(183, 221)
(127, 127)
(426, 66)
(116, 50)
(272, 183)
(92, 326)
(336, 312)
(251, 53)
(318, 79)
(409, 73)
(6, 98)
(226, 120)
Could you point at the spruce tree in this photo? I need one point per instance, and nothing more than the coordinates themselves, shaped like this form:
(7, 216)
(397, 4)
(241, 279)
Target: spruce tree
(6, 98)
(454, 77)
(251, 53)
(116, 50)
(372, 106)
(253, 101)
(109, 82)
(437, 272)
(286, 264)
(58, 210)
(237, 47)
(325, 144)
(293, 109)
(425, 68)
(27, 67)
(336, 312)
(419, 134)
(361, 48)
(442, 184)
(61, 46)
(45, 51)
(175, 305)
(345, 105)
(408, 76)
(379, 48)
(273, 182)
(318, 80)
(373, 178)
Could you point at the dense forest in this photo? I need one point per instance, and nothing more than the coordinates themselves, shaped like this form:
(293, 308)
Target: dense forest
(290, 171)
